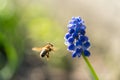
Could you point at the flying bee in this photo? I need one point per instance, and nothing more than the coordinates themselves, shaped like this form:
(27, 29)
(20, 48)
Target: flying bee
(44, 51)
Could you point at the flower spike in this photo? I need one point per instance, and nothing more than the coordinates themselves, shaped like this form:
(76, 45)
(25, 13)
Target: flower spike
(75, 39)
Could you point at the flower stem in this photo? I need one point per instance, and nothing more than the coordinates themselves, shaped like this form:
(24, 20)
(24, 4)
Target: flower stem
(90, 67)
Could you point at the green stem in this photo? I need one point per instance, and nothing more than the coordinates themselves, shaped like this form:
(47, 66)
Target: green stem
(90, 67)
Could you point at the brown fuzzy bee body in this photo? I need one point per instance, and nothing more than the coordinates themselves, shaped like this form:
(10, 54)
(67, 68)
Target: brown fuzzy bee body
(44, 51)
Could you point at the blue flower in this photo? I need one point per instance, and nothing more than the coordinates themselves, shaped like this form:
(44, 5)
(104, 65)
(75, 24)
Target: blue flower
(75, 39)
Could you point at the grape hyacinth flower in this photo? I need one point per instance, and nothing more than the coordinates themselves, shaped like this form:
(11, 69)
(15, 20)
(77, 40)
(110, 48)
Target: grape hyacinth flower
(75, 39)
(78, 43)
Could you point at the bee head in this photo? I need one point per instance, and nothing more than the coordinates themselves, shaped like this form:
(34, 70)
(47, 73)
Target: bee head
(50, 44)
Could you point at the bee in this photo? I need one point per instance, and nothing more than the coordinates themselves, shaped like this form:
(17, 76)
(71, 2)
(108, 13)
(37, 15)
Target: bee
(44, 51)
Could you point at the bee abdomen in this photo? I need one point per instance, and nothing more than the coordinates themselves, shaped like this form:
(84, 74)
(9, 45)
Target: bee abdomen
(43, 53)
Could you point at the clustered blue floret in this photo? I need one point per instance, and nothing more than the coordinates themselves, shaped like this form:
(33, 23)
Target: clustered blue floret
(75, 39)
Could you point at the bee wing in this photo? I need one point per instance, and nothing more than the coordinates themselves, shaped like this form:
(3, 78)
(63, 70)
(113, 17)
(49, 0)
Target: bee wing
(54, 49)
(36, 49)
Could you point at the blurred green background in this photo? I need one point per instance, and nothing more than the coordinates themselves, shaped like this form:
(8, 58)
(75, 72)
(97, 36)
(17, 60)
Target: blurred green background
(32, 23)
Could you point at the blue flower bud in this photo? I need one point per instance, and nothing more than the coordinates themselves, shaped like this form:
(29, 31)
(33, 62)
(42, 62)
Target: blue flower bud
(74, 54)
(78, 29)
(71, 40)
(82, 32)
(71, 47)
(86, 53)
(78, 19)
(79, 50)
(73, 18)
(83, 38)
(87, 44)
(78, 43)
(71, 31)
(75, 35)
(71, 26)
(67, 35)
(83, 27)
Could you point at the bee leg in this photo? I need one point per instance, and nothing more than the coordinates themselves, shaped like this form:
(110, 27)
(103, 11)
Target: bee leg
(47, 55)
